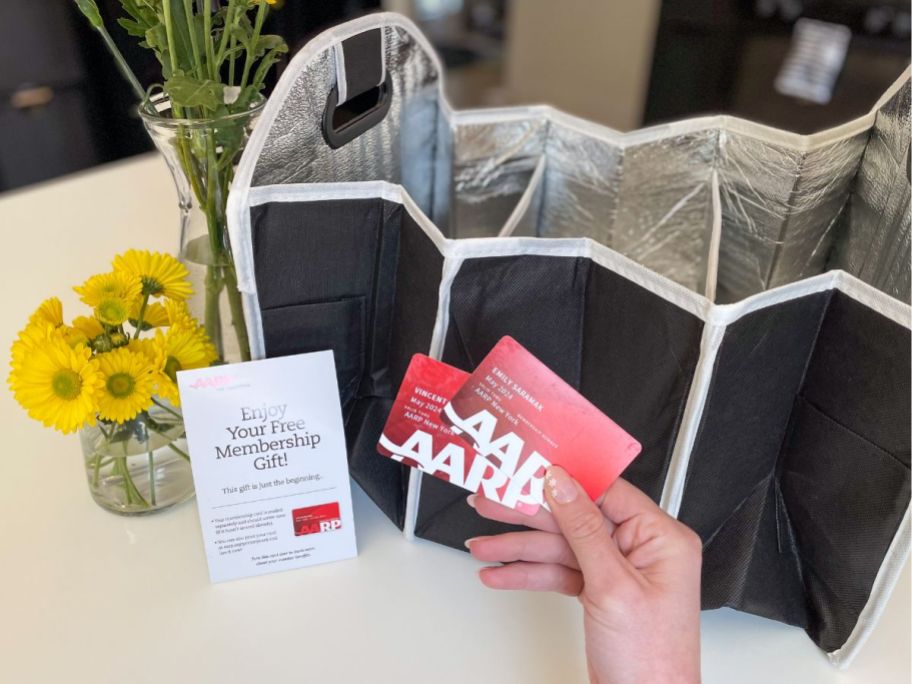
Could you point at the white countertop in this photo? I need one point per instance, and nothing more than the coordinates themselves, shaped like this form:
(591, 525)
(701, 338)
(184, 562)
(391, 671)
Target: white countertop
(91, 596)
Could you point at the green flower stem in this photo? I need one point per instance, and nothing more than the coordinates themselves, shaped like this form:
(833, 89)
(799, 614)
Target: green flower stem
(237, 312)
(214, 282)
(170, 444)
(214, 195)
(187, 164)
(120, 463)
(142, 314)
(96, 467)
(97, 464)
(212, 317)
(188, 13)
(151, 478)
(226, 32)
(132, 493)
(116, 471)
(205, 6)
(231, 62)
(254, 39)
(183, 454)
(122, 65)
(167, 408)
(169, 35)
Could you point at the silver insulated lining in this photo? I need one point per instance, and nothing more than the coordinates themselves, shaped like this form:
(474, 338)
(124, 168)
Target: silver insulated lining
(876, 244)
(400, 149)
(725, 207)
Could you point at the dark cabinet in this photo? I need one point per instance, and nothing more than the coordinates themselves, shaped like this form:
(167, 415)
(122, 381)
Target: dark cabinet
(46, 124)
(43, 139)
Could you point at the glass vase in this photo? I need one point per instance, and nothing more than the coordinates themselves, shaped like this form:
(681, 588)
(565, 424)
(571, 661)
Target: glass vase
(140, 466)
(201, 155)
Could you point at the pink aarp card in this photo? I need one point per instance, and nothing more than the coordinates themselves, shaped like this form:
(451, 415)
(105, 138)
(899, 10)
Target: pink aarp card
(518, 414)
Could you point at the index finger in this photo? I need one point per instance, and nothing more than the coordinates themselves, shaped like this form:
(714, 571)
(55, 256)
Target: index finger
(542, 520)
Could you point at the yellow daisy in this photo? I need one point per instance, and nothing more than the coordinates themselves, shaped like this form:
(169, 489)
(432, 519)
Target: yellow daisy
(128, 385)
(30, 338)
(161, 274)
(113, 311)
(73, 336)
(115, 285)
(50, 314)
(118, 339)
(180, 349)
(155, 315)
(58, 385)
(145, 347)
(88, 326)
(179, 314)
(112, 295)
(50, 311)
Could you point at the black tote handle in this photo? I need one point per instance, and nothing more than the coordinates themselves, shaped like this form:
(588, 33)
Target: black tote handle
(363, 91)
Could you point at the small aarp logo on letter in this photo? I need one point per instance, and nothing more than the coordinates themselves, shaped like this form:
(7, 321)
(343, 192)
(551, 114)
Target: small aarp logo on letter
(212, 382)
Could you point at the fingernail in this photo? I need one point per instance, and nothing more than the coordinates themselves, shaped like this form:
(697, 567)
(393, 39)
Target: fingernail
(560, 485)
(469, 542)
(471, 500)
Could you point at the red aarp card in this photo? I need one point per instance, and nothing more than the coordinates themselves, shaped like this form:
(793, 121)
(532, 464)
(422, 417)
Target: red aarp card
(520, 416)
(416, 435)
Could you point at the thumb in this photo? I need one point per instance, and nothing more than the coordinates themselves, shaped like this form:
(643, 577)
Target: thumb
(584, 527)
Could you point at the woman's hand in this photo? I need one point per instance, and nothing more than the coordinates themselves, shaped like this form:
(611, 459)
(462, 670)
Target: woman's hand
(635, 569)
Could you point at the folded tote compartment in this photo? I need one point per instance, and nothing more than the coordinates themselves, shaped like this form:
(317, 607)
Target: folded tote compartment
(734, 296)
(799, 502)
(359, 278)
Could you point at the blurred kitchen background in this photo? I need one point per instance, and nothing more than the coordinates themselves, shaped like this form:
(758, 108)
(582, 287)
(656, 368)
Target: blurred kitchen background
(624, 63)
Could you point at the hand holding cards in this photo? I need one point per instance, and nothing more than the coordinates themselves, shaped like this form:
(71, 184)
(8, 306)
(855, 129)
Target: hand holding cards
(497, 430)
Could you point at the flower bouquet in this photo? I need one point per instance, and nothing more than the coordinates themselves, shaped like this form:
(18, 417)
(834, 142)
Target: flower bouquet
(113, 375)
(214, 58)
